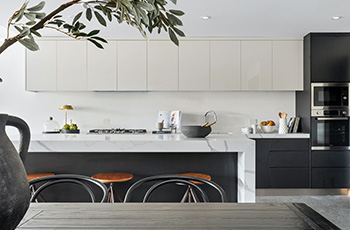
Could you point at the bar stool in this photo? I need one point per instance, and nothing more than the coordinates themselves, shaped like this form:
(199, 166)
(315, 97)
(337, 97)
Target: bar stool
(111, 178)
(190, 192)
(32, 176)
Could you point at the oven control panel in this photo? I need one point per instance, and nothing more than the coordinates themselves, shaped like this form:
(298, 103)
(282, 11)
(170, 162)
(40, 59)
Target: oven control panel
(330, 113)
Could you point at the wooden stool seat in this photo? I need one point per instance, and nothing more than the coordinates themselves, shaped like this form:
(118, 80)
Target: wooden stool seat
(199, 175)
(112, 177)
(32, 176)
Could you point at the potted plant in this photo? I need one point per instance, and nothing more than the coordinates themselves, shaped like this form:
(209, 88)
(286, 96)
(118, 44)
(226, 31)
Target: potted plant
(144, 15)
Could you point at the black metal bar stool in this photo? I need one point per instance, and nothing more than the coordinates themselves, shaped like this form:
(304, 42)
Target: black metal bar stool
(32, 176)
(111, 178)
(190, 192)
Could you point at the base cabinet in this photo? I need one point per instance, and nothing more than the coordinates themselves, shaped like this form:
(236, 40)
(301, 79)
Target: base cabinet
(282, 163)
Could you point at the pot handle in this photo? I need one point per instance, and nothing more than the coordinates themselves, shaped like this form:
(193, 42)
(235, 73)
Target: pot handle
(210, 111)
(24, 133)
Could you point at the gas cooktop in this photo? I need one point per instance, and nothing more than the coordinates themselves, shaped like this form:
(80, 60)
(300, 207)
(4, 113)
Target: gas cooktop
(117, 131)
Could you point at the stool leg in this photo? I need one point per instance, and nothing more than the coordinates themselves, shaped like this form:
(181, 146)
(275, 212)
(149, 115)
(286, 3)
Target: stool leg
(118, 195)
(184, 198)
(110, 193)
(194, 196)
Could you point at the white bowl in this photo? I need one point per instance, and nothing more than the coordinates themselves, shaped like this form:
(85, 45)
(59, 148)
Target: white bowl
(268, 129)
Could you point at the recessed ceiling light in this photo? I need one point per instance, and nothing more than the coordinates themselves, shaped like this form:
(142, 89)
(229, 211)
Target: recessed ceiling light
(336, 17)
(206, 17)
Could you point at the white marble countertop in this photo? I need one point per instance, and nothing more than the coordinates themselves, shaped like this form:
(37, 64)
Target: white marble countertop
(276, 135)
(156, 143)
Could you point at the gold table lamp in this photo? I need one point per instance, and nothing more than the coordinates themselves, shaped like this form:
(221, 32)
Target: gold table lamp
(66, 108)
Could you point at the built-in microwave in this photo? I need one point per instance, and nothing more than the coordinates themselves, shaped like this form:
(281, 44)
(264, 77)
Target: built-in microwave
(329, 96)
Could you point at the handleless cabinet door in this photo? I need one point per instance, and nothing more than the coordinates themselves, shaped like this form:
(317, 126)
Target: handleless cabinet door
(225, 65)
(71, 65)
(194, 65)
(256, 65)
(287, 65)
(42, 78)
(163, 65)
(132, 67)
(102, 67)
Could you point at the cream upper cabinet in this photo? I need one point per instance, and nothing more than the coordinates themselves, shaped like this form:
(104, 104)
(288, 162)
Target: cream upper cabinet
(225, 65)
(41, 67)
(287, 65)
(163, 66)
(102, 67)
(256, 65)
(71, 65)
(194, 65)
(132, 67)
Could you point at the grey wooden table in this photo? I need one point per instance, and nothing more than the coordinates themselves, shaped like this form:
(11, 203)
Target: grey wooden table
(173, 216)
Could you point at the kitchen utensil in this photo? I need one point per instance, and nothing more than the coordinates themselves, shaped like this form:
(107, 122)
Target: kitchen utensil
(283, 129)
(211, 124)
(160, 125)
(199, 130)
(195, 131)
(205, 124)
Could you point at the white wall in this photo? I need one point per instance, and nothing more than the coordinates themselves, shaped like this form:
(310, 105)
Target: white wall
(131, 109)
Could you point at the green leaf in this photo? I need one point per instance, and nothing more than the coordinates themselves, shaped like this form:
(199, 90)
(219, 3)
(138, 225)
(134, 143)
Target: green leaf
(30, 23)
(20, 15)
(36, 33)
(58, 16)
(179, 32)
(25, 32)
(40, 15)
(95, 43)
(146, 6)
(173, 37)
(29, 44)
(100, 19)
(177, 12)
(30, 16)
(174, 20)
(88, 14)
(174, 1)
(94, 32)
(21, 11)
(100, 39)
(19, 29)
(76, 18)
(38, 7)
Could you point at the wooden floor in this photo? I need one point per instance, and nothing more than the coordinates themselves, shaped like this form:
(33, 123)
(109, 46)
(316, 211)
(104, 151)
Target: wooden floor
(173, 215)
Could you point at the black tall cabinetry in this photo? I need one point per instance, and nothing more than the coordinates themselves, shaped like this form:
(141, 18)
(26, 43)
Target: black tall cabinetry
(326, 59)
(330, 57)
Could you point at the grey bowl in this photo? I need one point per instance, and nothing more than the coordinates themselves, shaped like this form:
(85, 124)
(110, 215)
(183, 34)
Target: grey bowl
(195, 131)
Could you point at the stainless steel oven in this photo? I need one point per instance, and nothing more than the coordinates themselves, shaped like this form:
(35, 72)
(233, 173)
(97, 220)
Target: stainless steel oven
(330, 133)
(329, 96)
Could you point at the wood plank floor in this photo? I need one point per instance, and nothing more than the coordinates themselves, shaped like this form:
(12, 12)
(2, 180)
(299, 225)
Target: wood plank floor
(167, 216)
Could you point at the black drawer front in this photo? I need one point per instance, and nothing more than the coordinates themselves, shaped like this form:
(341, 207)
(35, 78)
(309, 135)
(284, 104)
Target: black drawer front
(289, 159)
(288, 178)
(289, 144)
(330, 158)
(331, 178)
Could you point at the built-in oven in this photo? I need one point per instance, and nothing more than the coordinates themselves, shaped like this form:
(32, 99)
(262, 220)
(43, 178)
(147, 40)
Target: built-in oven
(330, 133)
(329, 96)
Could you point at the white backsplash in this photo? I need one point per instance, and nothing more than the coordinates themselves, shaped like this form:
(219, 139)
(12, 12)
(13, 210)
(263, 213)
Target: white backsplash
(131, 109)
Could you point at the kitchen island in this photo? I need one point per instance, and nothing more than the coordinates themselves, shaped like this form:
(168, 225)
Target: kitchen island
(234, 154)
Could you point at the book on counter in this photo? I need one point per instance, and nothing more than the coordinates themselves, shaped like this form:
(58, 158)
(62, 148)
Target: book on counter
(293, 124)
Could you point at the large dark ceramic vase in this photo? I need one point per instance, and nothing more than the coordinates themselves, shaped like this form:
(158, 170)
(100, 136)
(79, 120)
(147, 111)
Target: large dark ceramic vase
(14, 187)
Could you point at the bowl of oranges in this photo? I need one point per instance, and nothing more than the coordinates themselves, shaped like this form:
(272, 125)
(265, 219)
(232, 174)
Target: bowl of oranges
(268, 126)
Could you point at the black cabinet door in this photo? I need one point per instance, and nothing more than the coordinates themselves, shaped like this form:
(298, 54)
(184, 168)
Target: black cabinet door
(330, 57)
(330, 158)
(289, 178)
(330, 178)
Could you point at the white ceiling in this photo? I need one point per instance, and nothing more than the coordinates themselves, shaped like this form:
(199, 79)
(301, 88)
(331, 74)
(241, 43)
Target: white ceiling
(238, 18)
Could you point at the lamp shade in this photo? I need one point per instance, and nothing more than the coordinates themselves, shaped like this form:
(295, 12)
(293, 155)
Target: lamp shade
(66, 107)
